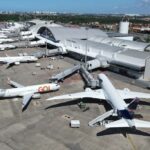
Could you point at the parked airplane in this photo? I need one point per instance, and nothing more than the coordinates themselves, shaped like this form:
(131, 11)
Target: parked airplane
(12, 28)
(6, 40)
(28, 37)
(24, 33)
(27, 92)
(3, 36)
(6, 46)
(10, 60)
(116, 99)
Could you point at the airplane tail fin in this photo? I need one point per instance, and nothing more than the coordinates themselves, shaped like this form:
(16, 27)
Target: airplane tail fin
(133, 105)
(141, 123)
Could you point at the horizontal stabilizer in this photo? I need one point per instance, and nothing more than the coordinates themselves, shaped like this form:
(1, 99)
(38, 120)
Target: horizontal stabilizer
(15, 84)
(141, 123)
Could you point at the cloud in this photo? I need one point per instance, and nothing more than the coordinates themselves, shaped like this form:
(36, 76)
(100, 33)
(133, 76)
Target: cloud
(145, 2)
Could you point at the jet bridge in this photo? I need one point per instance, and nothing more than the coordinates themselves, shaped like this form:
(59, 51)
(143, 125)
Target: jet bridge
(47, 53)
(64, 74)
(91, 82)
(89, 79)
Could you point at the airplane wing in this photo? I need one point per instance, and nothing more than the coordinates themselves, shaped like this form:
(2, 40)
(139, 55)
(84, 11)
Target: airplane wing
(15, 84)
(97, 94)
(26, 99)
(127, 94)
(141, 123)
(10, 63)
(122, 123)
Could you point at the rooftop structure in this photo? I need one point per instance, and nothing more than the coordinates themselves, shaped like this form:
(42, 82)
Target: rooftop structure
(140, 46)
(117, 55)
(62, 33)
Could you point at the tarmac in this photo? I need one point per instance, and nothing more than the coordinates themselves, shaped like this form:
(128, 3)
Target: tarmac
(45, 125)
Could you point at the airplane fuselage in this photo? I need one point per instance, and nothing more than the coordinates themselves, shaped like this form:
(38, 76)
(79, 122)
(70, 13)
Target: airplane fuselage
(115, 100)
(33, 89)
(18, 59)
(111, 94)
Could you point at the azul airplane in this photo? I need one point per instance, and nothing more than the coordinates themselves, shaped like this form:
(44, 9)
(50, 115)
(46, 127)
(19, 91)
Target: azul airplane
(10, 60)
(27, 92)
(116, 99)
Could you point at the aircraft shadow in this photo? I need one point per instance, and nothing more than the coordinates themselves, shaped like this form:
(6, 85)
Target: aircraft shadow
(9, 66)
(123, 131)
(7, 98)
(144, 103)
(141, 102)
(74, 102)
(10, 98)
(90, 100)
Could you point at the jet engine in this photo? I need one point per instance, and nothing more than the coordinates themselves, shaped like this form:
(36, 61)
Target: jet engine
(17, 63)
(36, 96)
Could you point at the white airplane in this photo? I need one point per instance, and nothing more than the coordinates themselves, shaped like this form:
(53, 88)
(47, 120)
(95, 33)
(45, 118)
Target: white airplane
(37, 43)
(6, 40)
(6, 46)
(3, 36)
(27, 92)
(11, 28)
(4, 31)
(28, 37)
(116, 99)
(23, 33)
(16, 60)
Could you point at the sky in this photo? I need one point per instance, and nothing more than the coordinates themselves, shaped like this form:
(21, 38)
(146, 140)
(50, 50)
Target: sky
(78, 6)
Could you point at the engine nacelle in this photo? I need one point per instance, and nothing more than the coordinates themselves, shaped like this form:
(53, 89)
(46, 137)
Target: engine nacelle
(97, 63)
(17, 63)
(2, 49)
(36, 96)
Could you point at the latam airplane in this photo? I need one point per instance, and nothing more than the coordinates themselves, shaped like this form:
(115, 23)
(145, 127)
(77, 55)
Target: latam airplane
(27, 92)
(16, 60)
(116, 99)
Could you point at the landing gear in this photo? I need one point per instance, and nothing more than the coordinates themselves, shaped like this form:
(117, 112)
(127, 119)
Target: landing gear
(83, 106)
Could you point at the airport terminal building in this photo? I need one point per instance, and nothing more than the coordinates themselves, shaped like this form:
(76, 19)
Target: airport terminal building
(127, 57)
